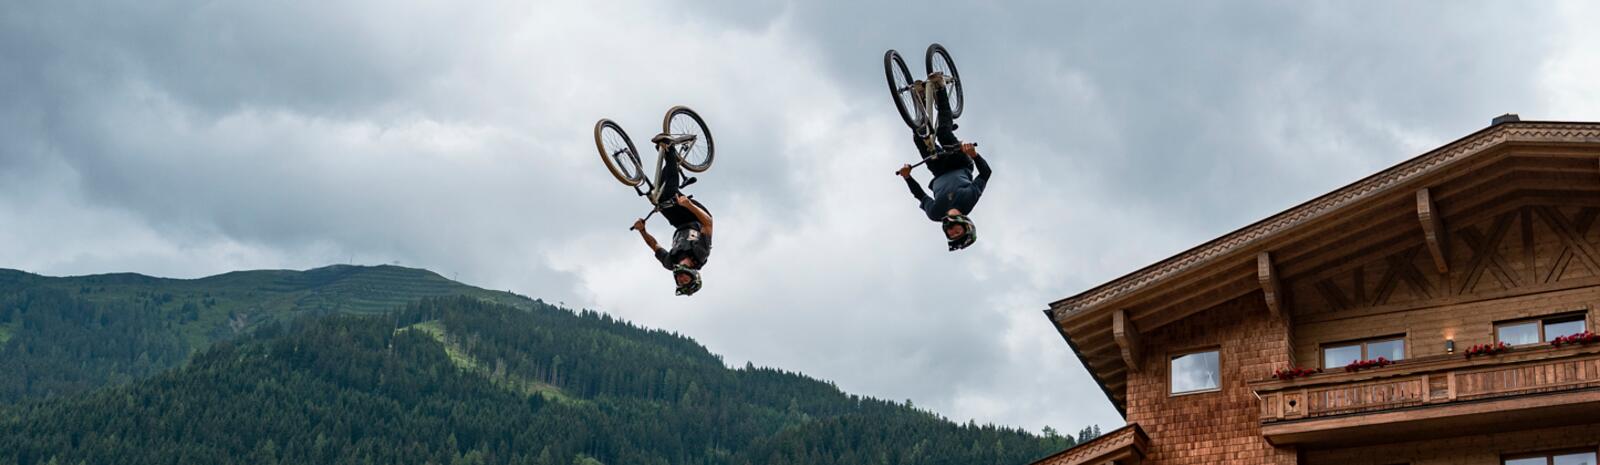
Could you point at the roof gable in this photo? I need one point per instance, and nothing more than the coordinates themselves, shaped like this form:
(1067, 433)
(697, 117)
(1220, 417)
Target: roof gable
(1227, 267)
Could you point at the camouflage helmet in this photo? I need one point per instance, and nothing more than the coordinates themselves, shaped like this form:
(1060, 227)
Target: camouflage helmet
(693, 285)
(969, 236)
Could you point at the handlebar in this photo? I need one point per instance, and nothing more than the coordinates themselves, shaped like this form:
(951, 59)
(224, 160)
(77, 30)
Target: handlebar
(930, 157)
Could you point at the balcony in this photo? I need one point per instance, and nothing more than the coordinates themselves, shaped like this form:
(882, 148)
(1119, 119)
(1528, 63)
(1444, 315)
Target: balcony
(1443, 396)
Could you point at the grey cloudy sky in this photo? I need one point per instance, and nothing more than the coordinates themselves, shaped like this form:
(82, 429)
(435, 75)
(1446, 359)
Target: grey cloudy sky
(186, 139)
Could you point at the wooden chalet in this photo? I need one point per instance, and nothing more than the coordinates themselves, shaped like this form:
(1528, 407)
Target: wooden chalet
(1488, 244)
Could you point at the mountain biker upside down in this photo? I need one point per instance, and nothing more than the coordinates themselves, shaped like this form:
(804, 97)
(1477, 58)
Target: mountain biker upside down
(691, 238)
(955, 190)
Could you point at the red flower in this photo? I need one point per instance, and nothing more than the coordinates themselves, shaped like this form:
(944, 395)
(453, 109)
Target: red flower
(1293, 372)
(1580, 338)
(1487, 349)
(1359, 365)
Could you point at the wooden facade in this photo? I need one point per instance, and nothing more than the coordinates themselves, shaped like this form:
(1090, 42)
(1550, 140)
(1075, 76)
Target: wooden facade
(1495, 230)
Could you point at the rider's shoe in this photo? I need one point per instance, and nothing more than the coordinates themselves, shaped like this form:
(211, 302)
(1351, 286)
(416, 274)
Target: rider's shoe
(661, 139)
(937, 78)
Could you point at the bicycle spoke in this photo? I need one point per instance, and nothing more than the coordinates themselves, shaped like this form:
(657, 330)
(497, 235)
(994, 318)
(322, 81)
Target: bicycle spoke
(617, 145)
(623, 157)
(694, 153)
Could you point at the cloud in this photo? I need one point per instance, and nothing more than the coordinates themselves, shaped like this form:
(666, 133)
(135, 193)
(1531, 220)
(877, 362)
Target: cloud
(183, 140)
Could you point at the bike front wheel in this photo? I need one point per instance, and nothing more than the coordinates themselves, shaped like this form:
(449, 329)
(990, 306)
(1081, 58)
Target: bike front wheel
(939, 61)
(695, 155)
(617, 151)
(900, 88)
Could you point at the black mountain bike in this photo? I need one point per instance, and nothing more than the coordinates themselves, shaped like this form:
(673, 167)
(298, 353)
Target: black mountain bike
(914, 97)
(682, 128)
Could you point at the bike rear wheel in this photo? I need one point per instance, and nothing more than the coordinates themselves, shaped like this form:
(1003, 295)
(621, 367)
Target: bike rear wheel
(939, 61)
(617, 151)
(900, 84)
(700, 152)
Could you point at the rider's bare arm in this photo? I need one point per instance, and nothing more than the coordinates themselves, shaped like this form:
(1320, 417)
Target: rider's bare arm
(699, 214)
(648, 239)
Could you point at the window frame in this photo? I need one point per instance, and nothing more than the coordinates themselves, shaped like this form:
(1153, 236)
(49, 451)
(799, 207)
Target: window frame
(1405, 348)
(1549, 456)
(1540, 322)
(1173, 356)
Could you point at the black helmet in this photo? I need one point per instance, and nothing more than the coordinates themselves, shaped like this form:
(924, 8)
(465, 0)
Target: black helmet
(693, 285)
(969, 236)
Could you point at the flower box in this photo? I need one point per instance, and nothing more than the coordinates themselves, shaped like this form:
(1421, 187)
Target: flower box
(1285, 374)
(1488, 349)
(1576, 339)
(1359, 365)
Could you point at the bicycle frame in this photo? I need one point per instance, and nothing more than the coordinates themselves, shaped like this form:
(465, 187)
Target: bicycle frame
(929, 128)
(684, 143)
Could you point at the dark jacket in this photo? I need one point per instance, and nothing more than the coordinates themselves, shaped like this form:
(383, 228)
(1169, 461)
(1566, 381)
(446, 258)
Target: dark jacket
(952, 189)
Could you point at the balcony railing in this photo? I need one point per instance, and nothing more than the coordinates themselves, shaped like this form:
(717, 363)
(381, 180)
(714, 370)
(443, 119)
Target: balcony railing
(1416, 385)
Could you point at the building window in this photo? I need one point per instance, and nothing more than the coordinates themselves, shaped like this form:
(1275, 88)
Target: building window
(1341, 354)
(1564, 458)
(1195, 372)
(1523, 332)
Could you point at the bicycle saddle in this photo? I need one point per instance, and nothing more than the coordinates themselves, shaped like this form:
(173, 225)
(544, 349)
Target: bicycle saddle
(671, 139)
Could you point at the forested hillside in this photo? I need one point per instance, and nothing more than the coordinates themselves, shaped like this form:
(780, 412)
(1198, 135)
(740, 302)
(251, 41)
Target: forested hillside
(60, 336)
(461, 380)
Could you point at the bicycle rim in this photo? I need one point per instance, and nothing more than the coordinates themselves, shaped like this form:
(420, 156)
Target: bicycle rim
(696, 155)
(938, 60)
(618, 153)
(899, 79)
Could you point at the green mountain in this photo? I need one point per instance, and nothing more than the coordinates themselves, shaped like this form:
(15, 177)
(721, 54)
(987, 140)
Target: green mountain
(60, 336)
(462, 380)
